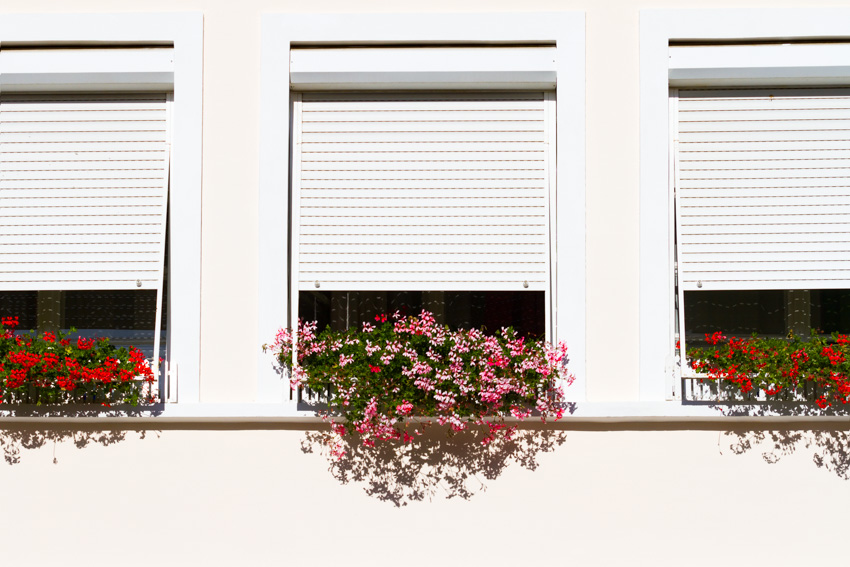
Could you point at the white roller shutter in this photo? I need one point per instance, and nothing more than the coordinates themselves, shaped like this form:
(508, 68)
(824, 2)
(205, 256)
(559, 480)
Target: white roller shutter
(83, 191)
(422, 191)
(763, 188)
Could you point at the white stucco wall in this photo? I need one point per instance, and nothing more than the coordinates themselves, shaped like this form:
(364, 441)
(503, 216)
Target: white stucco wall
(252, 497)
(668, 493)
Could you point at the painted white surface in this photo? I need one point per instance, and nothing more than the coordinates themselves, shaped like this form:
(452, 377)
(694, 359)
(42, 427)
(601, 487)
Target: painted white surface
(782, 64)
(599, 497)
(63, 70)
(492, 67)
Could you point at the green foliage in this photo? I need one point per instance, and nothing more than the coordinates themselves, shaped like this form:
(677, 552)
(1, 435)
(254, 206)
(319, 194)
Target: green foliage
(778, 367)
(54, 369)
(378, 376)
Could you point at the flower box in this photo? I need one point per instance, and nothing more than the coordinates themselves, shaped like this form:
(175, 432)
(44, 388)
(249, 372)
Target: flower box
(379, 375)
(55, 369)
(762, 370)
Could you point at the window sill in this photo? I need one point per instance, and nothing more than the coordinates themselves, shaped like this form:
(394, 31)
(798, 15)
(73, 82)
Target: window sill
(580, 412)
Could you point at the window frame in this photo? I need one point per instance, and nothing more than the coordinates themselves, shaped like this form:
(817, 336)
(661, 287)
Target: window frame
(184, 32)
(659, 379)
(564, 30)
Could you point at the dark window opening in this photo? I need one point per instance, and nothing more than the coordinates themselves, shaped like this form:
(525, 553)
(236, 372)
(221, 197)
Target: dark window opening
(769, 313)
(490, 310)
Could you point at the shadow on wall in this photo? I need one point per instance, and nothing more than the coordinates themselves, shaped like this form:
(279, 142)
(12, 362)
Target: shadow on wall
(829, 444)
(13, 441)
(436, 465)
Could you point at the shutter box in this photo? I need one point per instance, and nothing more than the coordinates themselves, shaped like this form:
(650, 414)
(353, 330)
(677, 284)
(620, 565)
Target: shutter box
(87, 69)
(420, 68)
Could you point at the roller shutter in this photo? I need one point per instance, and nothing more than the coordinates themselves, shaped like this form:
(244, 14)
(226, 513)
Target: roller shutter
(422, 191)
(763, 188)
(83, 191)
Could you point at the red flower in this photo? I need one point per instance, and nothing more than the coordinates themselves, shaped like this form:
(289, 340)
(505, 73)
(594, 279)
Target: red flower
(16, 378)
(714, 338)
(835, 358)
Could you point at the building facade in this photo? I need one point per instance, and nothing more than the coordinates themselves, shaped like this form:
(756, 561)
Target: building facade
(599, 214)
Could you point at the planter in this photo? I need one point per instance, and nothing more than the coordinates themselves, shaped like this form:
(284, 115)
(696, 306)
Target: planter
(379, 375)
(54, 369)
(765, 370)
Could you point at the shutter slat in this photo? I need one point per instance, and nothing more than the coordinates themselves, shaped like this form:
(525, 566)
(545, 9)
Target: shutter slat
(457, 184)
(316, 242)
(424, 165)
(413, 136)
(79, 251)
(422, 193)
(766, 136)
(430, 246)
(443, 125)
(452, 149)
(420, 116)
(788, 258)
(533, 176)
(57, 241)
(759, 192)
(710, 247)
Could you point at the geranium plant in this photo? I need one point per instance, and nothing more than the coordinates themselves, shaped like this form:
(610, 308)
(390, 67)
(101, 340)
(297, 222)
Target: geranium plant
(380, 375)
(819, 366)
(56, 369)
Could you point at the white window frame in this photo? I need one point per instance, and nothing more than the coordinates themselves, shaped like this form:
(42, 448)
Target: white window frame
(658, 28)
(184, 32)
(564, 30)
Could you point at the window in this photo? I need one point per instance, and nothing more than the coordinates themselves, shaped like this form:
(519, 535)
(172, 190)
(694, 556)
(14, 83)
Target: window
(94, 198)
(752, 218)
(424, 175)
(407, 196)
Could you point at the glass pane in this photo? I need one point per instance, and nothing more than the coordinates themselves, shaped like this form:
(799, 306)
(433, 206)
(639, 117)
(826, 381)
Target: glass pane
(774, 313)
(491, 310)
(20, 304)
(126, 317)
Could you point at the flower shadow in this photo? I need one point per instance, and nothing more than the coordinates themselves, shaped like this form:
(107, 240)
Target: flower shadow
(29, 428)
(828, 442)
(13, 441)
(437, 464)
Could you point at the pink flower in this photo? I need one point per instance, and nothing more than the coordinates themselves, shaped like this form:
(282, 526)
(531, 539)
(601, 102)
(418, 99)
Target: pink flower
(520, 413)
(404, 408)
